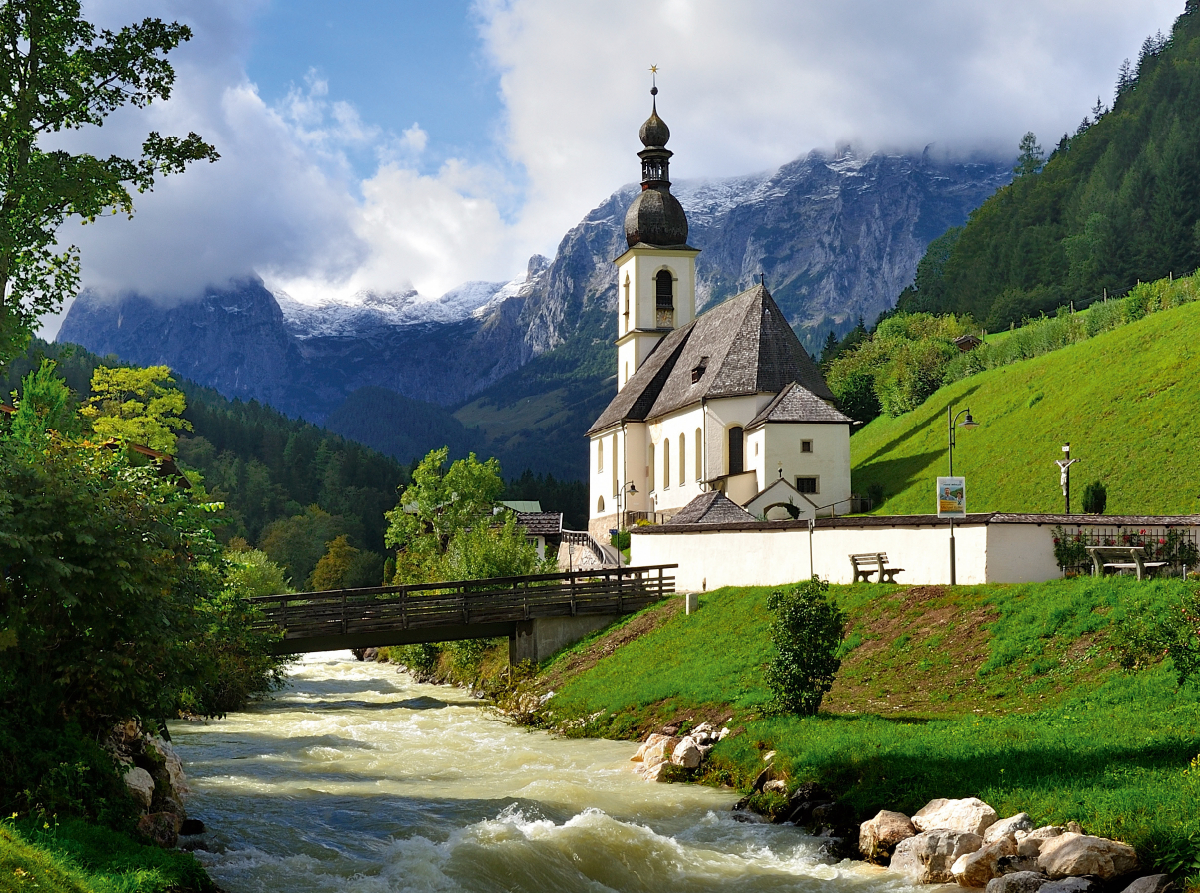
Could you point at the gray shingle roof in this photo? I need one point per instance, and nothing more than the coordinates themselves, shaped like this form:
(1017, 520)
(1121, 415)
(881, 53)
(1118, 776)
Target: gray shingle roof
(744, 345)
(797, 404)
(713, 507)
(541, 523)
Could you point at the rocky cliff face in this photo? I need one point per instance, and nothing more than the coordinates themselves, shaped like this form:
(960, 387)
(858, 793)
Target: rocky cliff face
(835, 237)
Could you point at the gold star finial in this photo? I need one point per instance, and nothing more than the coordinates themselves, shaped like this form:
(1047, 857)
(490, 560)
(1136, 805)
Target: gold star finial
(653, 80)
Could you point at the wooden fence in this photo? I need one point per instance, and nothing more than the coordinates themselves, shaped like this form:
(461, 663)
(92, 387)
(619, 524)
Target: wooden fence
(382, 609)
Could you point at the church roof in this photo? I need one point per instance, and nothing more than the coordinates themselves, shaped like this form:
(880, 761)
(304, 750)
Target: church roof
(713, 507)
(797, 404)
(741, 347)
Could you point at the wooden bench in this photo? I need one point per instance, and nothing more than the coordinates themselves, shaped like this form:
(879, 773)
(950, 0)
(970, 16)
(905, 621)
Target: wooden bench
(1108, 557)
(868, 563)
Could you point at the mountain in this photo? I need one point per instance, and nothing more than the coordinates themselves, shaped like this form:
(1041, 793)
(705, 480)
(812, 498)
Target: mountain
(835, 236)
(1116, 203)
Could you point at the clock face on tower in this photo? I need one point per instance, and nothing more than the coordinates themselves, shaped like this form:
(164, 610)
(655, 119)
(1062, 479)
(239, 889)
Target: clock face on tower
(663, 317)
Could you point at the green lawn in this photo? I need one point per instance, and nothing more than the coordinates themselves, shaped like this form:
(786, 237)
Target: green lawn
(1005, 692)
(1125, 400)
(74, 857)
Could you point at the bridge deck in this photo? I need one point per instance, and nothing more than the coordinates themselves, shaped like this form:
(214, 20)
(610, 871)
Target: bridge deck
(463, 609)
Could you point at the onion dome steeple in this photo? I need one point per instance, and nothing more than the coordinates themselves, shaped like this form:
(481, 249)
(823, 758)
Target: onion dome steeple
(655, 217)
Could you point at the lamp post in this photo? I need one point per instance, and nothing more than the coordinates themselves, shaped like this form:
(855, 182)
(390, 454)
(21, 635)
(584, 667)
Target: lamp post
(968, 422)
(631, 488)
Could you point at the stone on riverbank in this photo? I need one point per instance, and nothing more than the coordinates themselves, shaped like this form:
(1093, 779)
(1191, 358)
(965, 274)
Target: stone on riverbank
(978, 868)
(1152, 883)
(1008, 827)
(877, 837)
(1072, 885)
(970, 815)
(141, 786)
(1073, 855)
(928, 857)
(1018, 882)
(686, 754)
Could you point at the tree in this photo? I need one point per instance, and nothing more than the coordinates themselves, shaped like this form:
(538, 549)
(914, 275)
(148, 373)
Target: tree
(806, 631)
(435, 506)
(1029, 161)
(44, 405)
(297, 543)
(58, 72)
(1095, 498)
(134, 406)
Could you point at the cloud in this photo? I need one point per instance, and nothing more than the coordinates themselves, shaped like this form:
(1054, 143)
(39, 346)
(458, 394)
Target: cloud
(744, 87)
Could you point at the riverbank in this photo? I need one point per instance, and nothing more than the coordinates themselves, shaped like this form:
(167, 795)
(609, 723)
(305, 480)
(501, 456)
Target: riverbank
(75, 857)
(1007, 693)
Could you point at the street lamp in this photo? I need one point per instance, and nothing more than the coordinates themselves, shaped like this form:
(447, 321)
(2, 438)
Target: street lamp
(968, 422)
(631, 488)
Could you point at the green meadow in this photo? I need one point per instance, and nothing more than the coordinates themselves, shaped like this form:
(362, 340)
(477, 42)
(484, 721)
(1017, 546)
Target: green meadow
(1125, 400)
(1006, 692)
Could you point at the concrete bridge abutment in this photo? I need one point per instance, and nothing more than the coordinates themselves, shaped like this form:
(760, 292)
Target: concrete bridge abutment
(535, 640)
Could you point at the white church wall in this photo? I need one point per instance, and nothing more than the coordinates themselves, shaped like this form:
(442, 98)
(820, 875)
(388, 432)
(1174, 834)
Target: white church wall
(1020, 553)
(723, 414)
(772, 556)
(670, 495)
(829, 461)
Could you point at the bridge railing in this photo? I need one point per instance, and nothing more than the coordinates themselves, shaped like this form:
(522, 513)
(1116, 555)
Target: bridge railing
(623, 590)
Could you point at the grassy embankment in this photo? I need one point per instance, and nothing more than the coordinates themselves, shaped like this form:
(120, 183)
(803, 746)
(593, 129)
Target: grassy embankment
(1125, 400)
(1005, 692)
(78, 858)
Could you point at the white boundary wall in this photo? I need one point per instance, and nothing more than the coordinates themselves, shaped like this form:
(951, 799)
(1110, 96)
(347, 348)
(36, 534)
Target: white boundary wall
(770, 554)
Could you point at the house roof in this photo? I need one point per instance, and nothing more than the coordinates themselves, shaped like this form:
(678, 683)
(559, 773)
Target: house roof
(798, 404)
(541, 523)
(713, 507)
(741, 347)
(522, 505)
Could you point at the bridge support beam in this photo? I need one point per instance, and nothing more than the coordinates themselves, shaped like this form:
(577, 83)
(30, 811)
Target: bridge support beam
(536, 640)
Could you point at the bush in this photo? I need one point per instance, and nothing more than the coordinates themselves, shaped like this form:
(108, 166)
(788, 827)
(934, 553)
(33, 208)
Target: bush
(1147, 637)
(806, 631)
(1095, 498)
(620, 540)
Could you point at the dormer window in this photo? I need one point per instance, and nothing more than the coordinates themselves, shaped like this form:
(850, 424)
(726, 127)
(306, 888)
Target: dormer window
(664, 300)
(698, 369)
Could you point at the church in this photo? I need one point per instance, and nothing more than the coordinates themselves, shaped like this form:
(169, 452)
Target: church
(727, 401)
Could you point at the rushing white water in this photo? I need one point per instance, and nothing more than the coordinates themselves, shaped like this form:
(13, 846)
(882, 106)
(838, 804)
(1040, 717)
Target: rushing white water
(354, 778)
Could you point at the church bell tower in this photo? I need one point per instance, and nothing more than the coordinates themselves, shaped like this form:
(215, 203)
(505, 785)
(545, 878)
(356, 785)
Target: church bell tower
(656, 276)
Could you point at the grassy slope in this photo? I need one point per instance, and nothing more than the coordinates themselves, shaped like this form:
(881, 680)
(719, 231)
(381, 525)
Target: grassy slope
(1004, 692)
(1125, 400)
(78, 858)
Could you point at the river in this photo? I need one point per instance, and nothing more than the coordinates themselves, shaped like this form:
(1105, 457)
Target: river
(355, 778)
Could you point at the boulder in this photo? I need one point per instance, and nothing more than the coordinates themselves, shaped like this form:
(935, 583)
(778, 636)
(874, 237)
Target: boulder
(161, 828)
(686, 754)
(1075, 827)
(141, 786)
(173, 765)
(928, 857)
(1019, 882)
(1151, 883)
(970, 815)
(776, 786)
(1073, 855)
(978, 868)
(723, 734)
(877, 837)
(650, 741)
(191, 827)
(1043, 833)
(656, 771)
(659, 750)
(1008, 827)
(1019, 862)
(1073, 885)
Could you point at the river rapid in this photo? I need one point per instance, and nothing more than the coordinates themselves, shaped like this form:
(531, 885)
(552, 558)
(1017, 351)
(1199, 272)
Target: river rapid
(355, 778)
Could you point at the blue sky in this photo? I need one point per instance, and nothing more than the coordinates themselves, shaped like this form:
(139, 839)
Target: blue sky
(398, 63)
(369, 146)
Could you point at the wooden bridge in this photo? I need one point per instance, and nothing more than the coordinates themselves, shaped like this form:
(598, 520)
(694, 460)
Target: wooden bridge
(539, 614)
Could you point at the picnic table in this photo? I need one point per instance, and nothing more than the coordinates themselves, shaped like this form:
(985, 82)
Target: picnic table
(1111, 557)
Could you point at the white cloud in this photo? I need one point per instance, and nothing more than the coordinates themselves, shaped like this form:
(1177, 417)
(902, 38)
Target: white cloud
(745, 87)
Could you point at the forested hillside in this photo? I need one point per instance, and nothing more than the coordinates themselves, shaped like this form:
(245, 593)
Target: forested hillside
(1116, 202)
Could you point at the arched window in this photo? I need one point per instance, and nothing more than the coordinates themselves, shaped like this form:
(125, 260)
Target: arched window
(599, 456)
(682, 473)
(736, 463)
(666, 462)
(651, 469)
(664, 300)
(699, 456)
(600, 506)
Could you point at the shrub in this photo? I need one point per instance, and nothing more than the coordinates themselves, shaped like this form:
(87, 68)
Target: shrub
(1147, 636)
(1095, 498)
(1070, 549)
(806, 630)
(620, 540)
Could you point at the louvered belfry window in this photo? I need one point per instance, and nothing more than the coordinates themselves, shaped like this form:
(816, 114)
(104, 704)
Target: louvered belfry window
(664, 300)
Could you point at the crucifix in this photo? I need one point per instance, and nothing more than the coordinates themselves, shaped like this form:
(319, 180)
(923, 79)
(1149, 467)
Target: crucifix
(1064, 477)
